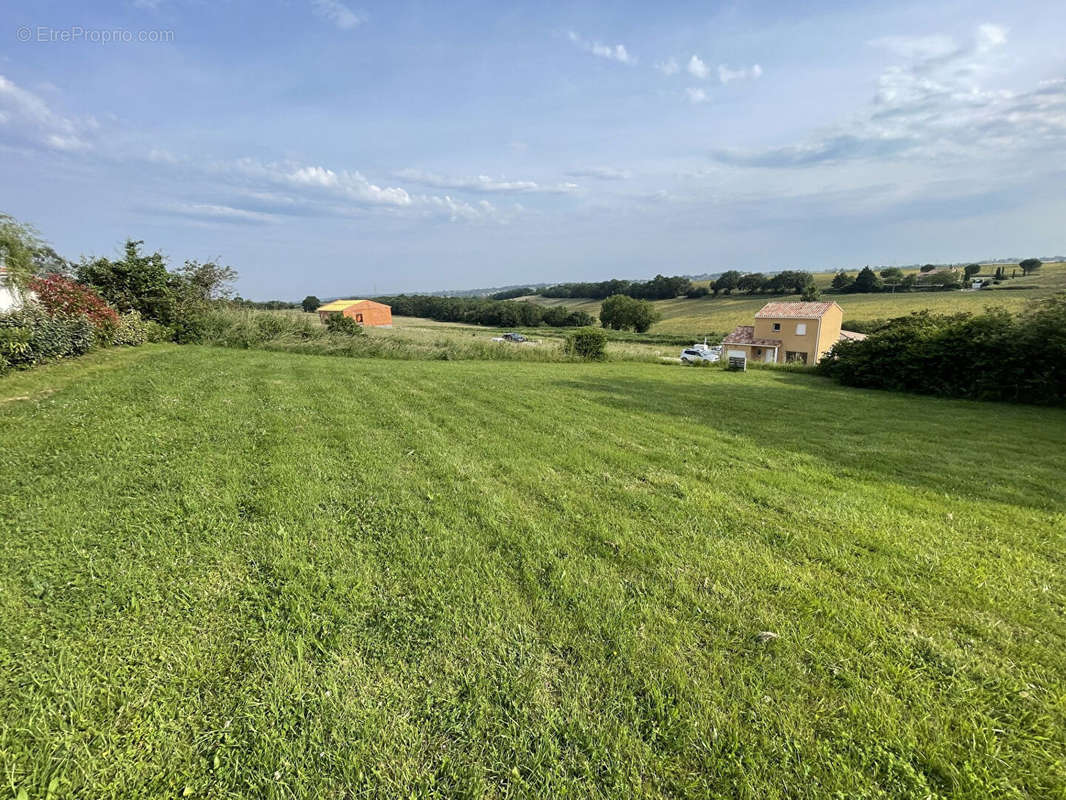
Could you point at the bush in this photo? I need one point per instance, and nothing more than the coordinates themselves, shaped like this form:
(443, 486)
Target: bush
(154, 332)
(29, 336)
(190, 329)
(343, 326)
(990, 356)
(587, 343)
(62, 297)
(131, 331)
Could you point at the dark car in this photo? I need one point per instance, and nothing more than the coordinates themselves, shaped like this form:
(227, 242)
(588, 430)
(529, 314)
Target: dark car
(514, 337)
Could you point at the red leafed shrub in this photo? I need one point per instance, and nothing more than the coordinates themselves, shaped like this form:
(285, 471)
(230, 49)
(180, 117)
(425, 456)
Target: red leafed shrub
(62, 297)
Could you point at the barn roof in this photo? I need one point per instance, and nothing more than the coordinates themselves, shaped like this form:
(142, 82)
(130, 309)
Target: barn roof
(340, 305)
(794, 310)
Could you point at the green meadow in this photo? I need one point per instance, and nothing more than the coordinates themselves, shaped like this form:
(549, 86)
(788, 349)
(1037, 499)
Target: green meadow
(715, 316)
(238, 573)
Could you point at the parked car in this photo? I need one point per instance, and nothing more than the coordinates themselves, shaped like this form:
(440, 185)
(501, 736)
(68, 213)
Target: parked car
(700, 352)
(514, 337)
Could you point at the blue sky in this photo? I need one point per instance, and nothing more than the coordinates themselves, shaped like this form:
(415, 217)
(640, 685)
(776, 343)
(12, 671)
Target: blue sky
(332, 147)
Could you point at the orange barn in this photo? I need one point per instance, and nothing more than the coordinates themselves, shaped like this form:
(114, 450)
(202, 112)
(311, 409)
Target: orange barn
(365, 312)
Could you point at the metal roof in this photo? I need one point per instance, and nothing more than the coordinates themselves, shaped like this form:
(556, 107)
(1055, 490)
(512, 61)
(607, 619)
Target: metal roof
(340, 305)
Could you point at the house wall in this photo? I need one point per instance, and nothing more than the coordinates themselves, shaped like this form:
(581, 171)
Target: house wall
(365, 313)
(371, 313)
(10, 298)
(815, 342)
(790, 340)
(832, 320)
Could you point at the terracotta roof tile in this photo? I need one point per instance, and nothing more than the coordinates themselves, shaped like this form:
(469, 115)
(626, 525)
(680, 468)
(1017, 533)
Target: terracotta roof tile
(794, 310)
(745, 334)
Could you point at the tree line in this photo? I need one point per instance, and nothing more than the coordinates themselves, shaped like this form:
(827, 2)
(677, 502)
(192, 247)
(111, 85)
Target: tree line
(484, 311)
(660, 287)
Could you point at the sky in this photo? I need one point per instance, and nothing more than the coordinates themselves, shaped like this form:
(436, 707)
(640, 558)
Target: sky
(344, 148)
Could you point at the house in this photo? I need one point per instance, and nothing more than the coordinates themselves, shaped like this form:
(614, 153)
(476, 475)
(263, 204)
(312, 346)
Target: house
(365, 312)
(10, 296)
(789, 332)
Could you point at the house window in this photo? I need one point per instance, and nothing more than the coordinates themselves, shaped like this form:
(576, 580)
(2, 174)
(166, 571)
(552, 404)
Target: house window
(795, 357)
(777, 326)
(358, 317)
(801, 328)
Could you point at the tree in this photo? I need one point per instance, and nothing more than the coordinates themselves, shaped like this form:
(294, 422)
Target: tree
(927, 268)
(205, 282)
(866, 281)
(945, 279)
(726, 282)
(752, 282)
(810, 294)
(310, 303)
(892, 274)
(621, 312)
(1030, 265)
(19, 245)
(135, 282)
(842, 282)
(970, 270)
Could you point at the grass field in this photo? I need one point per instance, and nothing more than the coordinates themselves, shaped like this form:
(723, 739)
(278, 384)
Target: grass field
(233, 573)
(718, 315)
(426, 338)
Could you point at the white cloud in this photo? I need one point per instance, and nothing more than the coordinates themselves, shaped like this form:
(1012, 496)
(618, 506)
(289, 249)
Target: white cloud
(483, 183)
(213, 212)
(338, 13)
(603, 173)
(725, 74)
(26, 119)
(697, 68)
(936, 107)
(668, 67)
(990, 36)
(696, 95)
(615, 52)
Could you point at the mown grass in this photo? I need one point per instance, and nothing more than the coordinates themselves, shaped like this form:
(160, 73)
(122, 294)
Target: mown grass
(235, 573)
(715, 316)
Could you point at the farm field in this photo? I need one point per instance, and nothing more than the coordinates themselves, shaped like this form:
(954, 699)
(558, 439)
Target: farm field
(718, 315)
(422, 335)
(238, 573)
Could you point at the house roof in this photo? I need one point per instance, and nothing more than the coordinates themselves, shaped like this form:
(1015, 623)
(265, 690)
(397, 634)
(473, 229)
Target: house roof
(745, 334)
(794, 310)
(851, 336)
(340, 305)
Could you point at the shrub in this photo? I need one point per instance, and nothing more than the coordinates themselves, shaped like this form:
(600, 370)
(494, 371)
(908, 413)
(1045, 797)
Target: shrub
(29, 336)
(189, 329)
(990, 356)
(587, 343)
(154, 332)
(132, 330)
(62, 297)
(344, 326)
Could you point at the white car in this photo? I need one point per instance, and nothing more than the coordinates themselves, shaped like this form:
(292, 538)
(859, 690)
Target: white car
(700, 352)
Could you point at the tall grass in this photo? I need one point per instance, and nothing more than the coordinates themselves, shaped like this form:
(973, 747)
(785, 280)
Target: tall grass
(297, 333)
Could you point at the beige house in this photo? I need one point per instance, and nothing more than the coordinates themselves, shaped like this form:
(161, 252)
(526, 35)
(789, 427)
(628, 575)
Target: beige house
(789, 332)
